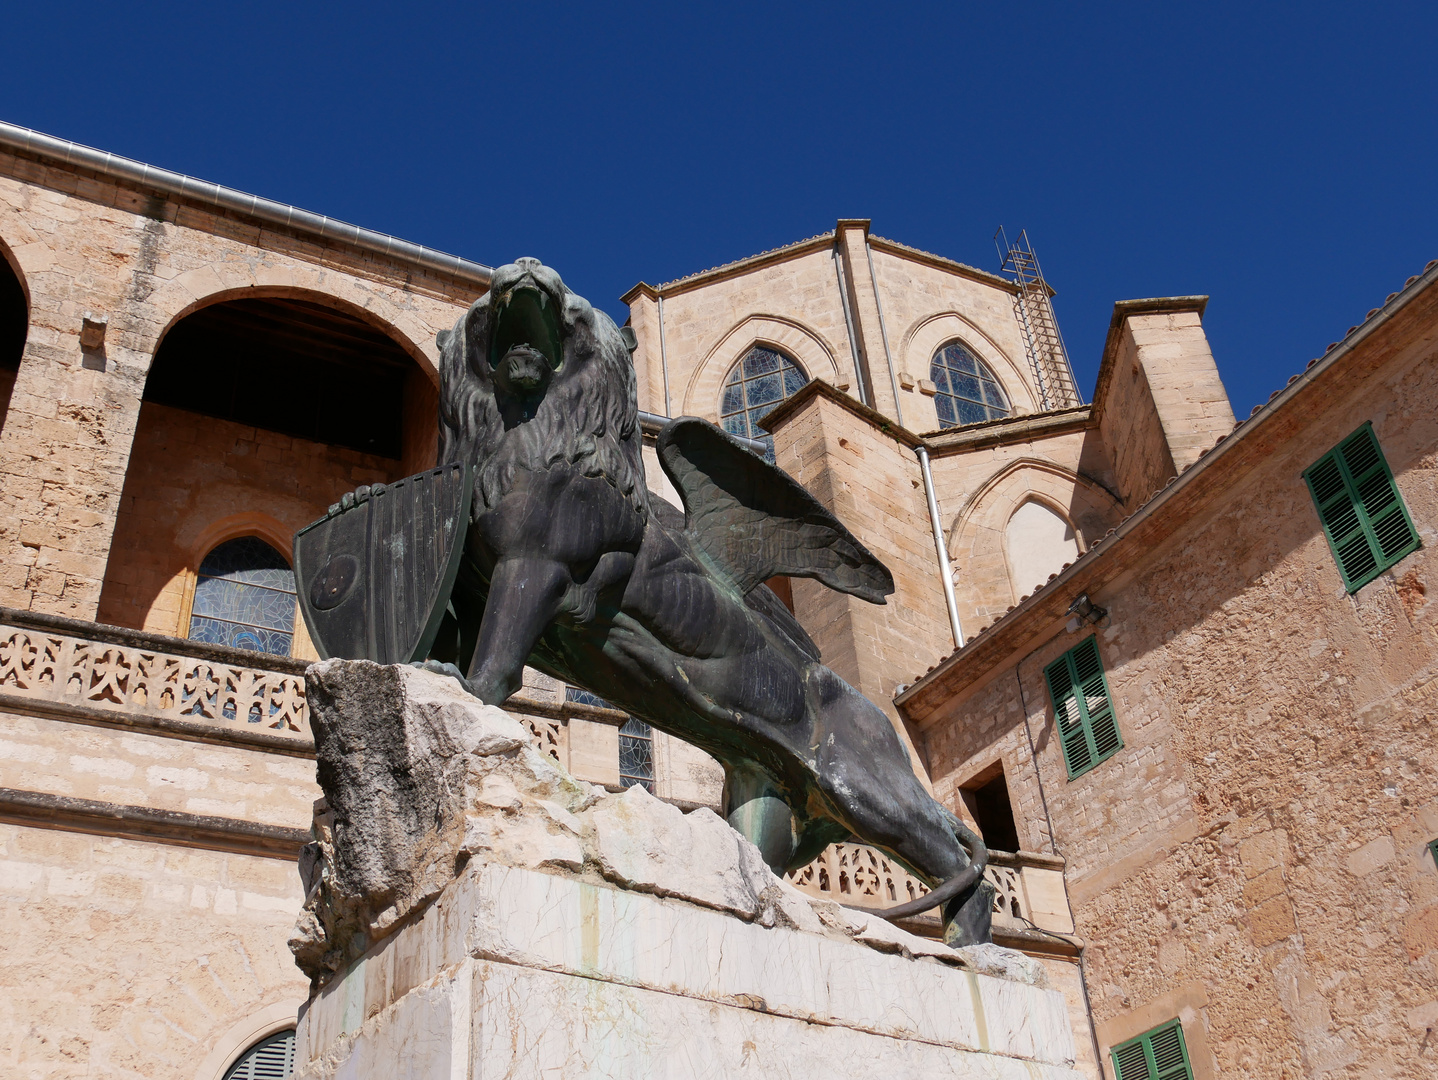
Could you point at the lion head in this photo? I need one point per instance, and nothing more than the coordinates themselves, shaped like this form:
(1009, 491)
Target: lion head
(532, 377)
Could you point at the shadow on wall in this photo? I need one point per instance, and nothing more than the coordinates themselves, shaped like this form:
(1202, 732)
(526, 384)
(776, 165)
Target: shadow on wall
(268, 408)
(14, 325)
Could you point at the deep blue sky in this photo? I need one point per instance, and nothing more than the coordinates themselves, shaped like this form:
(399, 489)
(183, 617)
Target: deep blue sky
(1280, 158)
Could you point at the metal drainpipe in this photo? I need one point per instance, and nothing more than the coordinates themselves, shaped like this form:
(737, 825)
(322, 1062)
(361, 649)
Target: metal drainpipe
(664, 360)
(946, 571)
(884, 333)
(849, 325)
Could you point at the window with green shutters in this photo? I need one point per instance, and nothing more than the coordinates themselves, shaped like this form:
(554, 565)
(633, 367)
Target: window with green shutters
(1159, 1054)
(1363, 515)
(1083, 710)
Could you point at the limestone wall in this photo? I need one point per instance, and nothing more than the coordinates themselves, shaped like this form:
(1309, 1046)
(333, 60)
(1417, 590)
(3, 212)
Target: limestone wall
(873, 484)
(194, 482)
(1253, 859)
(927, 305)
(82, 243)
(130, 958)
(791, 299)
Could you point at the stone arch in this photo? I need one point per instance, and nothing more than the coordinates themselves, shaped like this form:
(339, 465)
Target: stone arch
(977, 538)
(244, 1033)
(218, 284)
(807, 348)
(922, 340)
(1039, 540)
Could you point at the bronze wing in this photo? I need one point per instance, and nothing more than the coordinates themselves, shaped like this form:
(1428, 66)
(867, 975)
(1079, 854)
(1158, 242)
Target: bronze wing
(756, 521)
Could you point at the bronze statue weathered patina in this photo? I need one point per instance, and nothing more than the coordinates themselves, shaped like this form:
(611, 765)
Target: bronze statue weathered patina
(571, 564)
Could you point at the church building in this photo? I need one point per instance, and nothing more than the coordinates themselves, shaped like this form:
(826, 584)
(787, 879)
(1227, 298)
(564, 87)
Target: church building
(1178, 670)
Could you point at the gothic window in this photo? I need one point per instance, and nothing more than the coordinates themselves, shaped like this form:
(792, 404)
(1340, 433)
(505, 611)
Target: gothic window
(636, 755)
(245, 598)
(1039, 542)
(271, 1058)
(756, 384)
(967, 393)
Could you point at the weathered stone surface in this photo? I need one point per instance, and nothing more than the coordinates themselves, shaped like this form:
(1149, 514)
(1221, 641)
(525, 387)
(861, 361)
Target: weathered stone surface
(422, 781)
(576, 932)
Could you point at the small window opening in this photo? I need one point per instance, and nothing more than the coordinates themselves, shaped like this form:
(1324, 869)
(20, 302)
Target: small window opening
(987, 798)
(272, 1058)
(287, 366)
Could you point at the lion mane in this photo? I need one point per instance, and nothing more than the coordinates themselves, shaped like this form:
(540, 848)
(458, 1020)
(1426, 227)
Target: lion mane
(587, 419)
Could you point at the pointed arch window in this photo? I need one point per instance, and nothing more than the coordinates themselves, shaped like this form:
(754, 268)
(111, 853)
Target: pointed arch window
(761, 379)
(967, 393)
(245, 598)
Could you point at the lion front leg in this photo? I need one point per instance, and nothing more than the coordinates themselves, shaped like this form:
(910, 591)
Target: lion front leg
(524, 597)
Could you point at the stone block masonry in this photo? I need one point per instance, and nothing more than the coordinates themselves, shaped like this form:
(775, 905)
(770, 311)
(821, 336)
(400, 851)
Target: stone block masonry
(531, 925)
(143, 261)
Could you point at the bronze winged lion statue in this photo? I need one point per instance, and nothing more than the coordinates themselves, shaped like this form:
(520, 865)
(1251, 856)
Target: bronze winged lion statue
(571, 564)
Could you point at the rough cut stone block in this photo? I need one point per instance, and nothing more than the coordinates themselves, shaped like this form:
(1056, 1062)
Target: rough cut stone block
(474, 911)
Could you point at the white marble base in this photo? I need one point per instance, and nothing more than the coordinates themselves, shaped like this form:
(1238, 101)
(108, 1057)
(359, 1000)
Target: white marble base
(520, 973)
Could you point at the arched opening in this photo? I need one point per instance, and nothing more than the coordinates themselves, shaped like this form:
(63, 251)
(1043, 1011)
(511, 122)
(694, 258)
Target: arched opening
(755, 385)
(1039, 542)
(966, 390)
(272, 1058)
(14, 325)
(291, 367)
(269, 407)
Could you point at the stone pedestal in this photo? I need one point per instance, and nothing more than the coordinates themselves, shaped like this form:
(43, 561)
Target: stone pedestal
(556, 931)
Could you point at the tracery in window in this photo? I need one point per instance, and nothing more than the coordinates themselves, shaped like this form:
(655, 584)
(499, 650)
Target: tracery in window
(967, 393)
(636, 755)
(755, 386)
(245, 598)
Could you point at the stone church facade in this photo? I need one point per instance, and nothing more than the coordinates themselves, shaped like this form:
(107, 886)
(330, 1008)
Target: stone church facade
(1247, 868)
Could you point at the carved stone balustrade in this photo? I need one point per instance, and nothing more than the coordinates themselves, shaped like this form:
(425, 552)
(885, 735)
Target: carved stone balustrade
(1029, 887)
(106, 674)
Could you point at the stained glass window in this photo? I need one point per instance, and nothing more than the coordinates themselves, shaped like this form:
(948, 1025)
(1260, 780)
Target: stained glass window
(755, 385)
(968, 392)
(584, 697)
(636, 755)
(245, 598)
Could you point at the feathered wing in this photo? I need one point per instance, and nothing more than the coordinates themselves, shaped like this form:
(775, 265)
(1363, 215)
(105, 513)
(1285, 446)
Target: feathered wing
(755, 521)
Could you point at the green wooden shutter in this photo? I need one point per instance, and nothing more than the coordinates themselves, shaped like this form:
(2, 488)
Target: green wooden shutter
(1363, 515)
(272, 1058)
(1159, 1054)
(1083, 709)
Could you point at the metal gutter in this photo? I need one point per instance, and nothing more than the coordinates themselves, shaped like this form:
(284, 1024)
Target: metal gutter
(883, 332)
(25, 140)
(664, 359)
(1225, 446)
(849, 323)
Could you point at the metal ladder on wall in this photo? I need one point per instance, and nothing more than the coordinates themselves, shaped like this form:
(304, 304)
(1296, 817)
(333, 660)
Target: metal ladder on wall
(1049, 359)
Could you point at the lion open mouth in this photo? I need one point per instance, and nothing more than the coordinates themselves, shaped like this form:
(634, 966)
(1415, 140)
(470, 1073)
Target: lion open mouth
(526, 326)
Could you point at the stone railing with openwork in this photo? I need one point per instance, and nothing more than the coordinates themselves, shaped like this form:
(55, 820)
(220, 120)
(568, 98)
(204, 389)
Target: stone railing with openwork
(1029, 887)
(106, 673)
